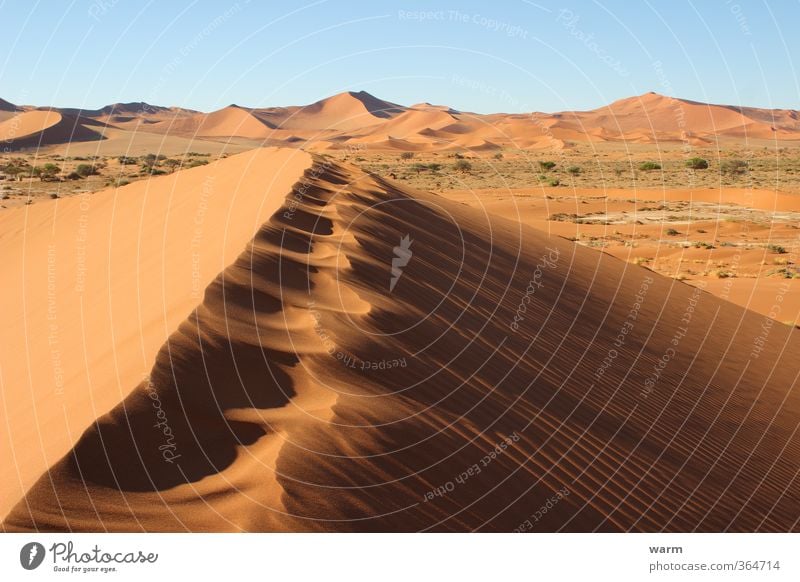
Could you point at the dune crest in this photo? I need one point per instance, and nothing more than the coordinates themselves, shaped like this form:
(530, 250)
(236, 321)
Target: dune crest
(101, 282)
(316, 387)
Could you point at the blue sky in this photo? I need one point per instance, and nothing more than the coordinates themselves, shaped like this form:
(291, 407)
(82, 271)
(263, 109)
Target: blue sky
(507, 55)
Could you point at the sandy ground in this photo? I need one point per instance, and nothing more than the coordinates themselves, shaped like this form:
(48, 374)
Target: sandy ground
(381, 358)
(741, 244)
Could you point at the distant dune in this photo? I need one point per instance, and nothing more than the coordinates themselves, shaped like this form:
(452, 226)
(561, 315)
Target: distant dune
(358, 119)
(368, 357)
(39, 128)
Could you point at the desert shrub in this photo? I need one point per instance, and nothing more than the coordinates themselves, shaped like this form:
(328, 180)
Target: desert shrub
(47, 173)
(434, 167)
(172, 164)
(697, 164)
(647, 166)
(418, 168)
(723, 274)
(498, 156)
(546, 166)
(672, 232)
(406, 155)
(564, 217)
(574, 170)
(777, 249)
(127, 161)
(462, 166)
(152, 160)
(74, 176)
(86, 170)
(555, 182)
(53, 195)
(733, 167)
(195, 163)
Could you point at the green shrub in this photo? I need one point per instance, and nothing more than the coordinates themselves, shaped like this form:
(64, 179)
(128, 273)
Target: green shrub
(46, 173)
(462, 166)
(86, 170)
(697, 164)
(733, 167)
(574, 170)
(672, 232)
(777, 249)
(406, 155)
(647, 166)
(546, 166)
(419, 168)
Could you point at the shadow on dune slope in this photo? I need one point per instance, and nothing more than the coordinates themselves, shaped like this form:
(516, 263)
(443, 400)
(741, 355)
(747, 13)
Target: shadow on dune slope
(381, 359)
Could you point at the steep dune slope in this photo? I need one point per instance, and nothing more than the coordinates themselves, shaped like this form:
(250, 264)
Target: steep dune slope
(97, 284)
(227, 122)
(45, 127)
(341, 112)
(378, 358)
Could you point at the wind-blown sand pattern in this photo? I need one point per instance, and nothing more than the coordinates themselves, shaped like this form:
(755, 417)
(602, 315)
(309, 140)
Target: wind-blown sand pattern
(503, 367)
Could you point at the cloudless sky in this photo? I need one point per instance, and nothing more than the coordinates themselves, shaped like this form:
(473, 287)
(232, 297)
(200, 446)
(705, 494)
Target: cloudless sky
(505, 55)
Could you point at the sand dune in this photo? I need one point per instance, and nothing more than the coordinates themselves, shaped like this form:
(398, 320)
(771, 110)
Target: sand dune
(27, 124)
(7, 106)
(380, 358)
(345, 112)
(353, 118)
(44, 127)
(101, 281)
(230, 121)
